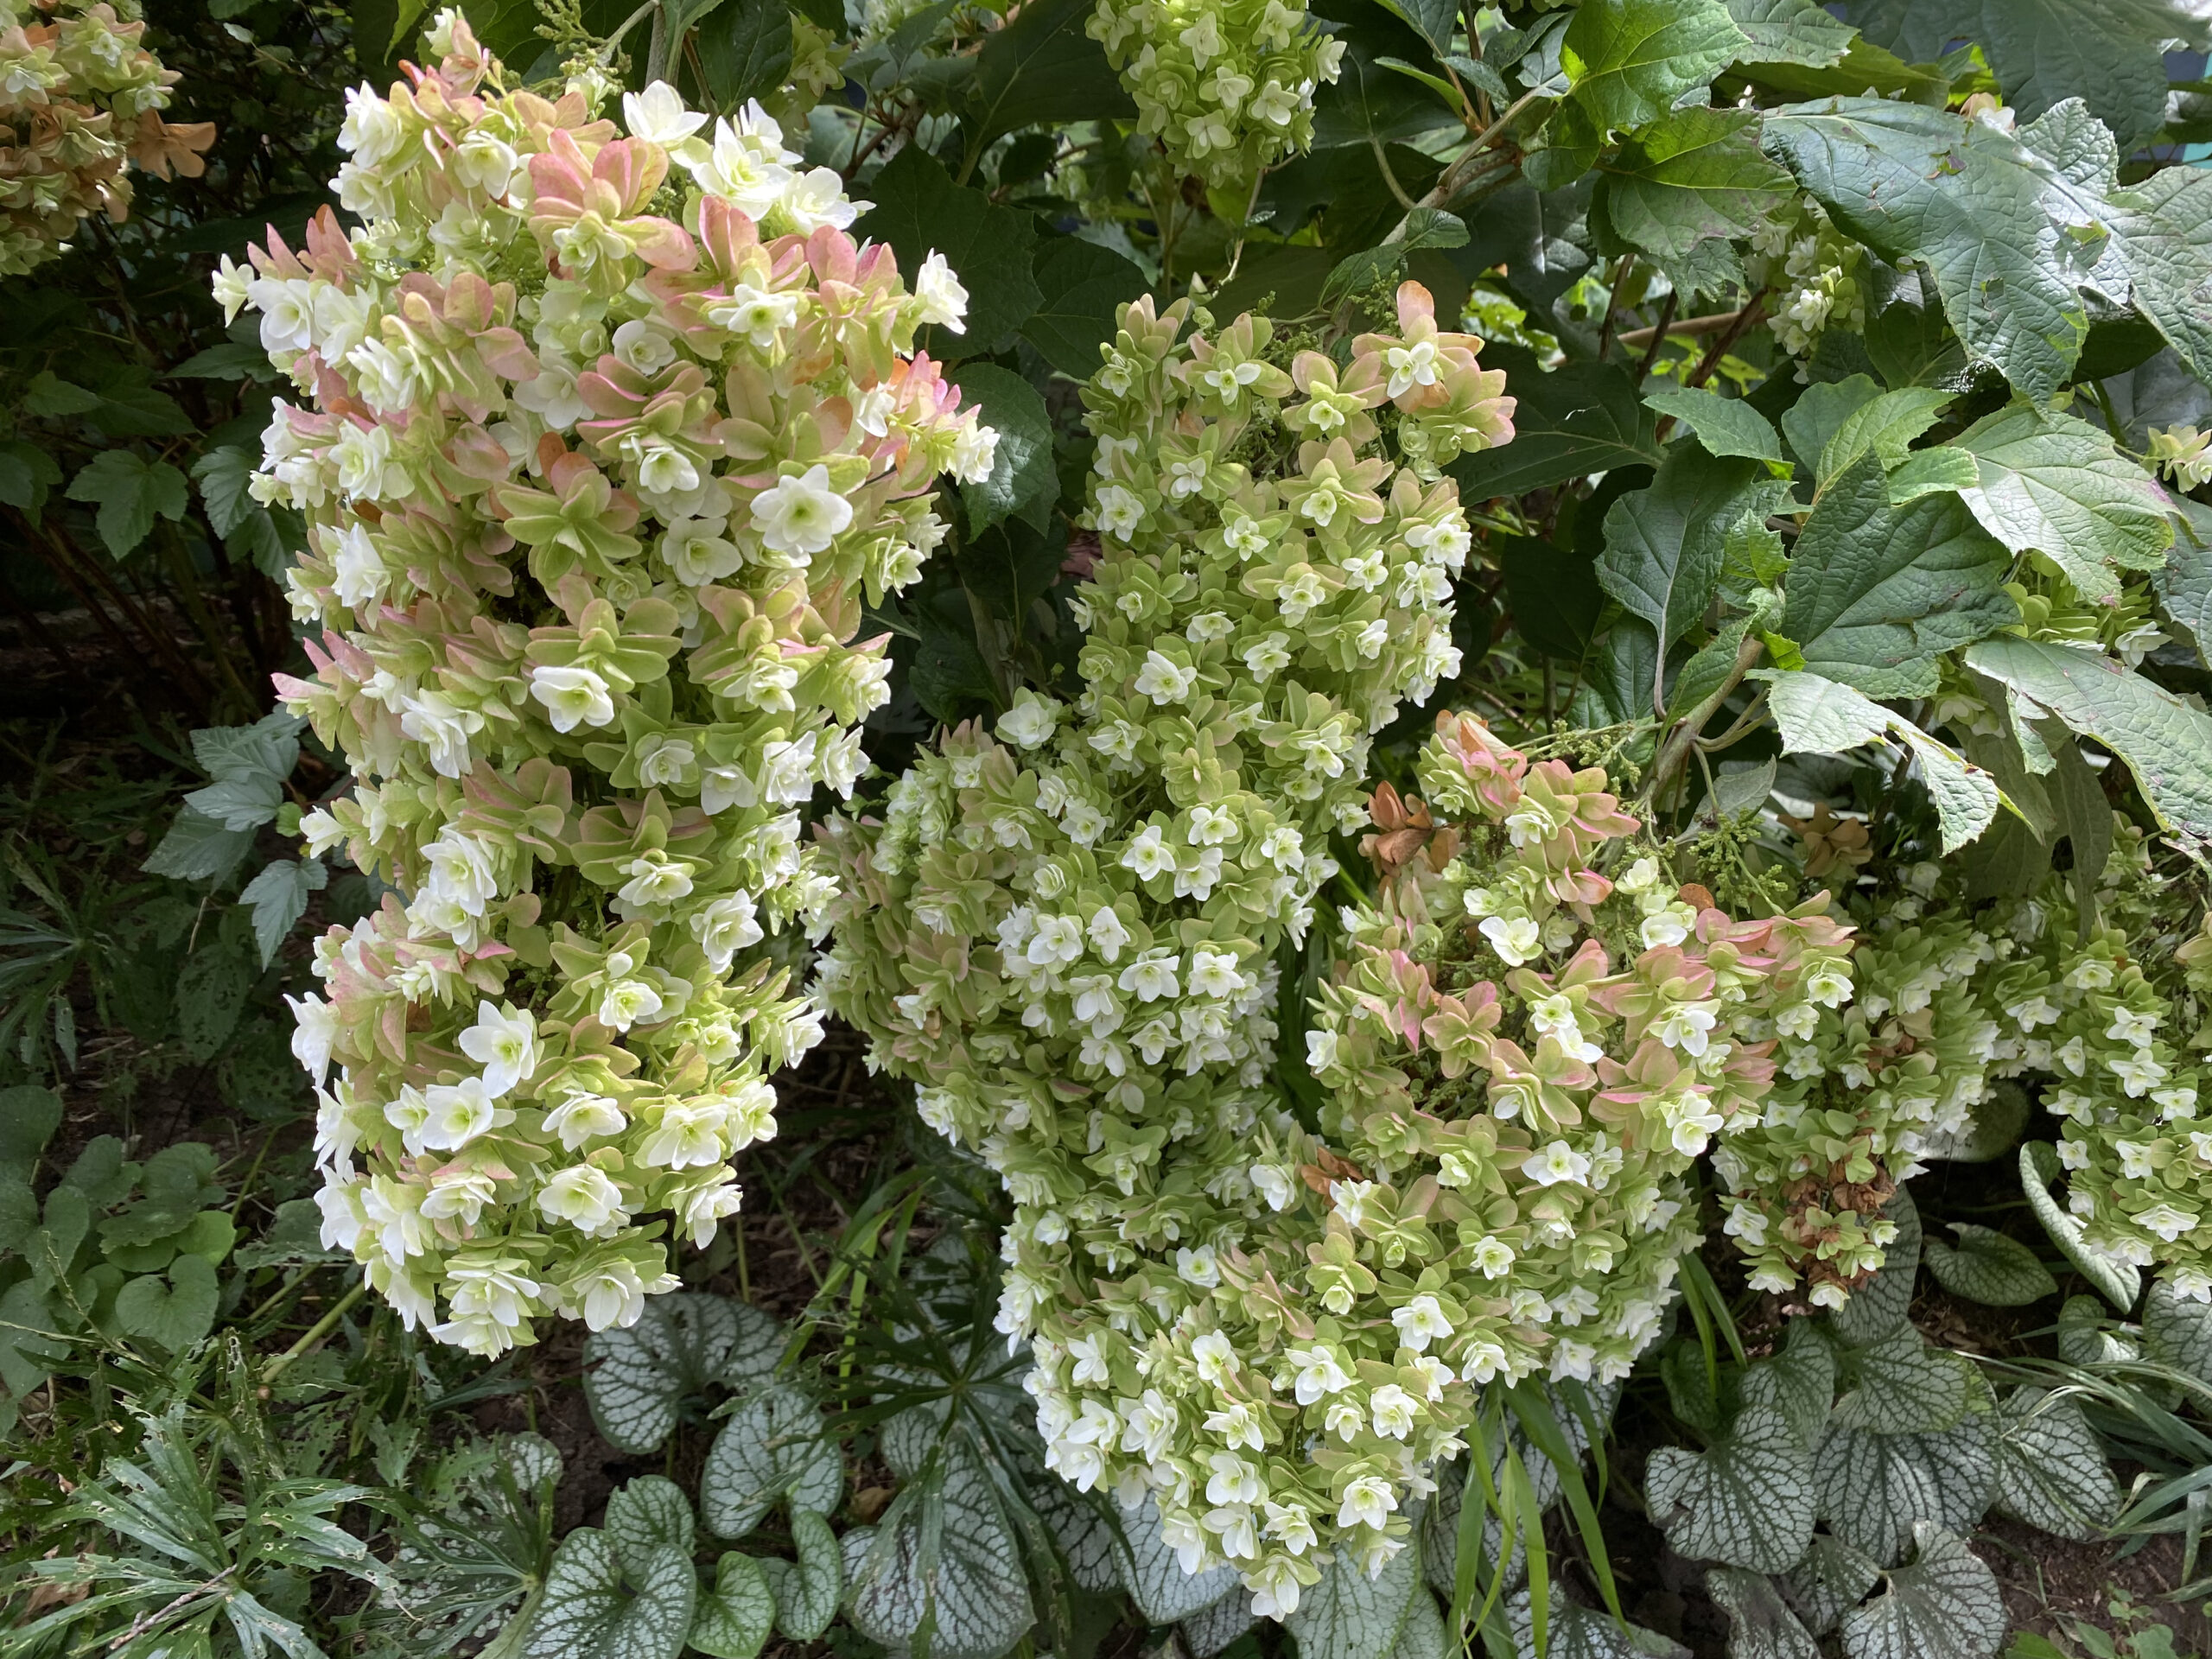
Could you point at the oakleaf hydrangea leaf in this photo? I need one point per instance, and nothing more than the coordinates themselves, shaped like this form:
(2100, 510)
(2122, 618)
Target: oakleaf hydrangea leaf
(2053, 484)
(2166, 743)
(1987, 1266)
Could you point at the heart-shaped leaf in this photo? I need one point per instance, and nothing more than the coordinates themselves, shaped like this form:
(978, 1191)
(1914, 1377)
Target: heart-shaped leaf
(1831, 1579)
(1212, 1628)
(1903, 1384)
(2087, 1336)
(735, 1616)
(1760, 1624)
(637, 1378)
(2051, 1469)
(1746, 1500)
(1163, 1590)
(175, 1311)
(1988, 1268)
(771, 1449)
(941, 1568)
(1349, 1615)
(1944, 1604)
(588, 1610)
(1874, 1488)
(648, 1513)
(2177, 1330)
(806, 1594)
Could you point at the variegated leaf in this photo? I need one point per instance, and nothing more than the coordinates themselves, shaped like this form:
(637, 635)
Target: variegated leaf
(735, 1616)
(1875, 1487)
(1349, 1615)
(806, 1594)
(637, 1378)
(771, 1450)
(942, 1576)
(2177, 1330)
(1760, 1624)
(1987, 1266)
(1903, 1384)
(644, 1515)
(2051, 1469)
(1163, 1590)
(585, 1611)
(1831, 1579)
(1212, 1628)
(1747, 1500)
(1879, 1306)
(1943, 1604)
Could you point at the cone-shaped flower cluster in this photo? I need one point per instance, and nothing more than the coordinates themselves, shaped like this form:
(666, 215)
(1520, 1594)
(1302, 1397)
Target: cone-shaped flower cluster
(1067, 933)
(2113, 1026)
(79, 98)
(1862, 1090)
(1533, 1038)
(602, 456)
(1227, 85)
(2103, 1025)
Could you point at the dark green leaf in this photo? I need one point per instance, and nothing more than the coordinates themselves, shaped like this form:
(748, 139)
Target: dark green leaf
(1554, 594)
(1789, 31)
(198, 847)
(2107, 52)
(1697, 174)
(920, 210)
(745, 49)
(130, 492)
(26, 472)
(1579, 419)
(2053, 484)
(1629, 61)
(2166, 743)
(173, 1312)
(1042, 67)
(1725, 426)
(1877, 593)
(1022, 475)
(1966, 201)
(279, 898)
(1663, 544)
(1083, 286)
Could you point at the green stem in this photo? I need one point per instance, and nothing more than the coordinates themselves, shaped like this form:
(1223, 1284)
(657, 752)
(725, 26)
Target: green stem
(321, 1328)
